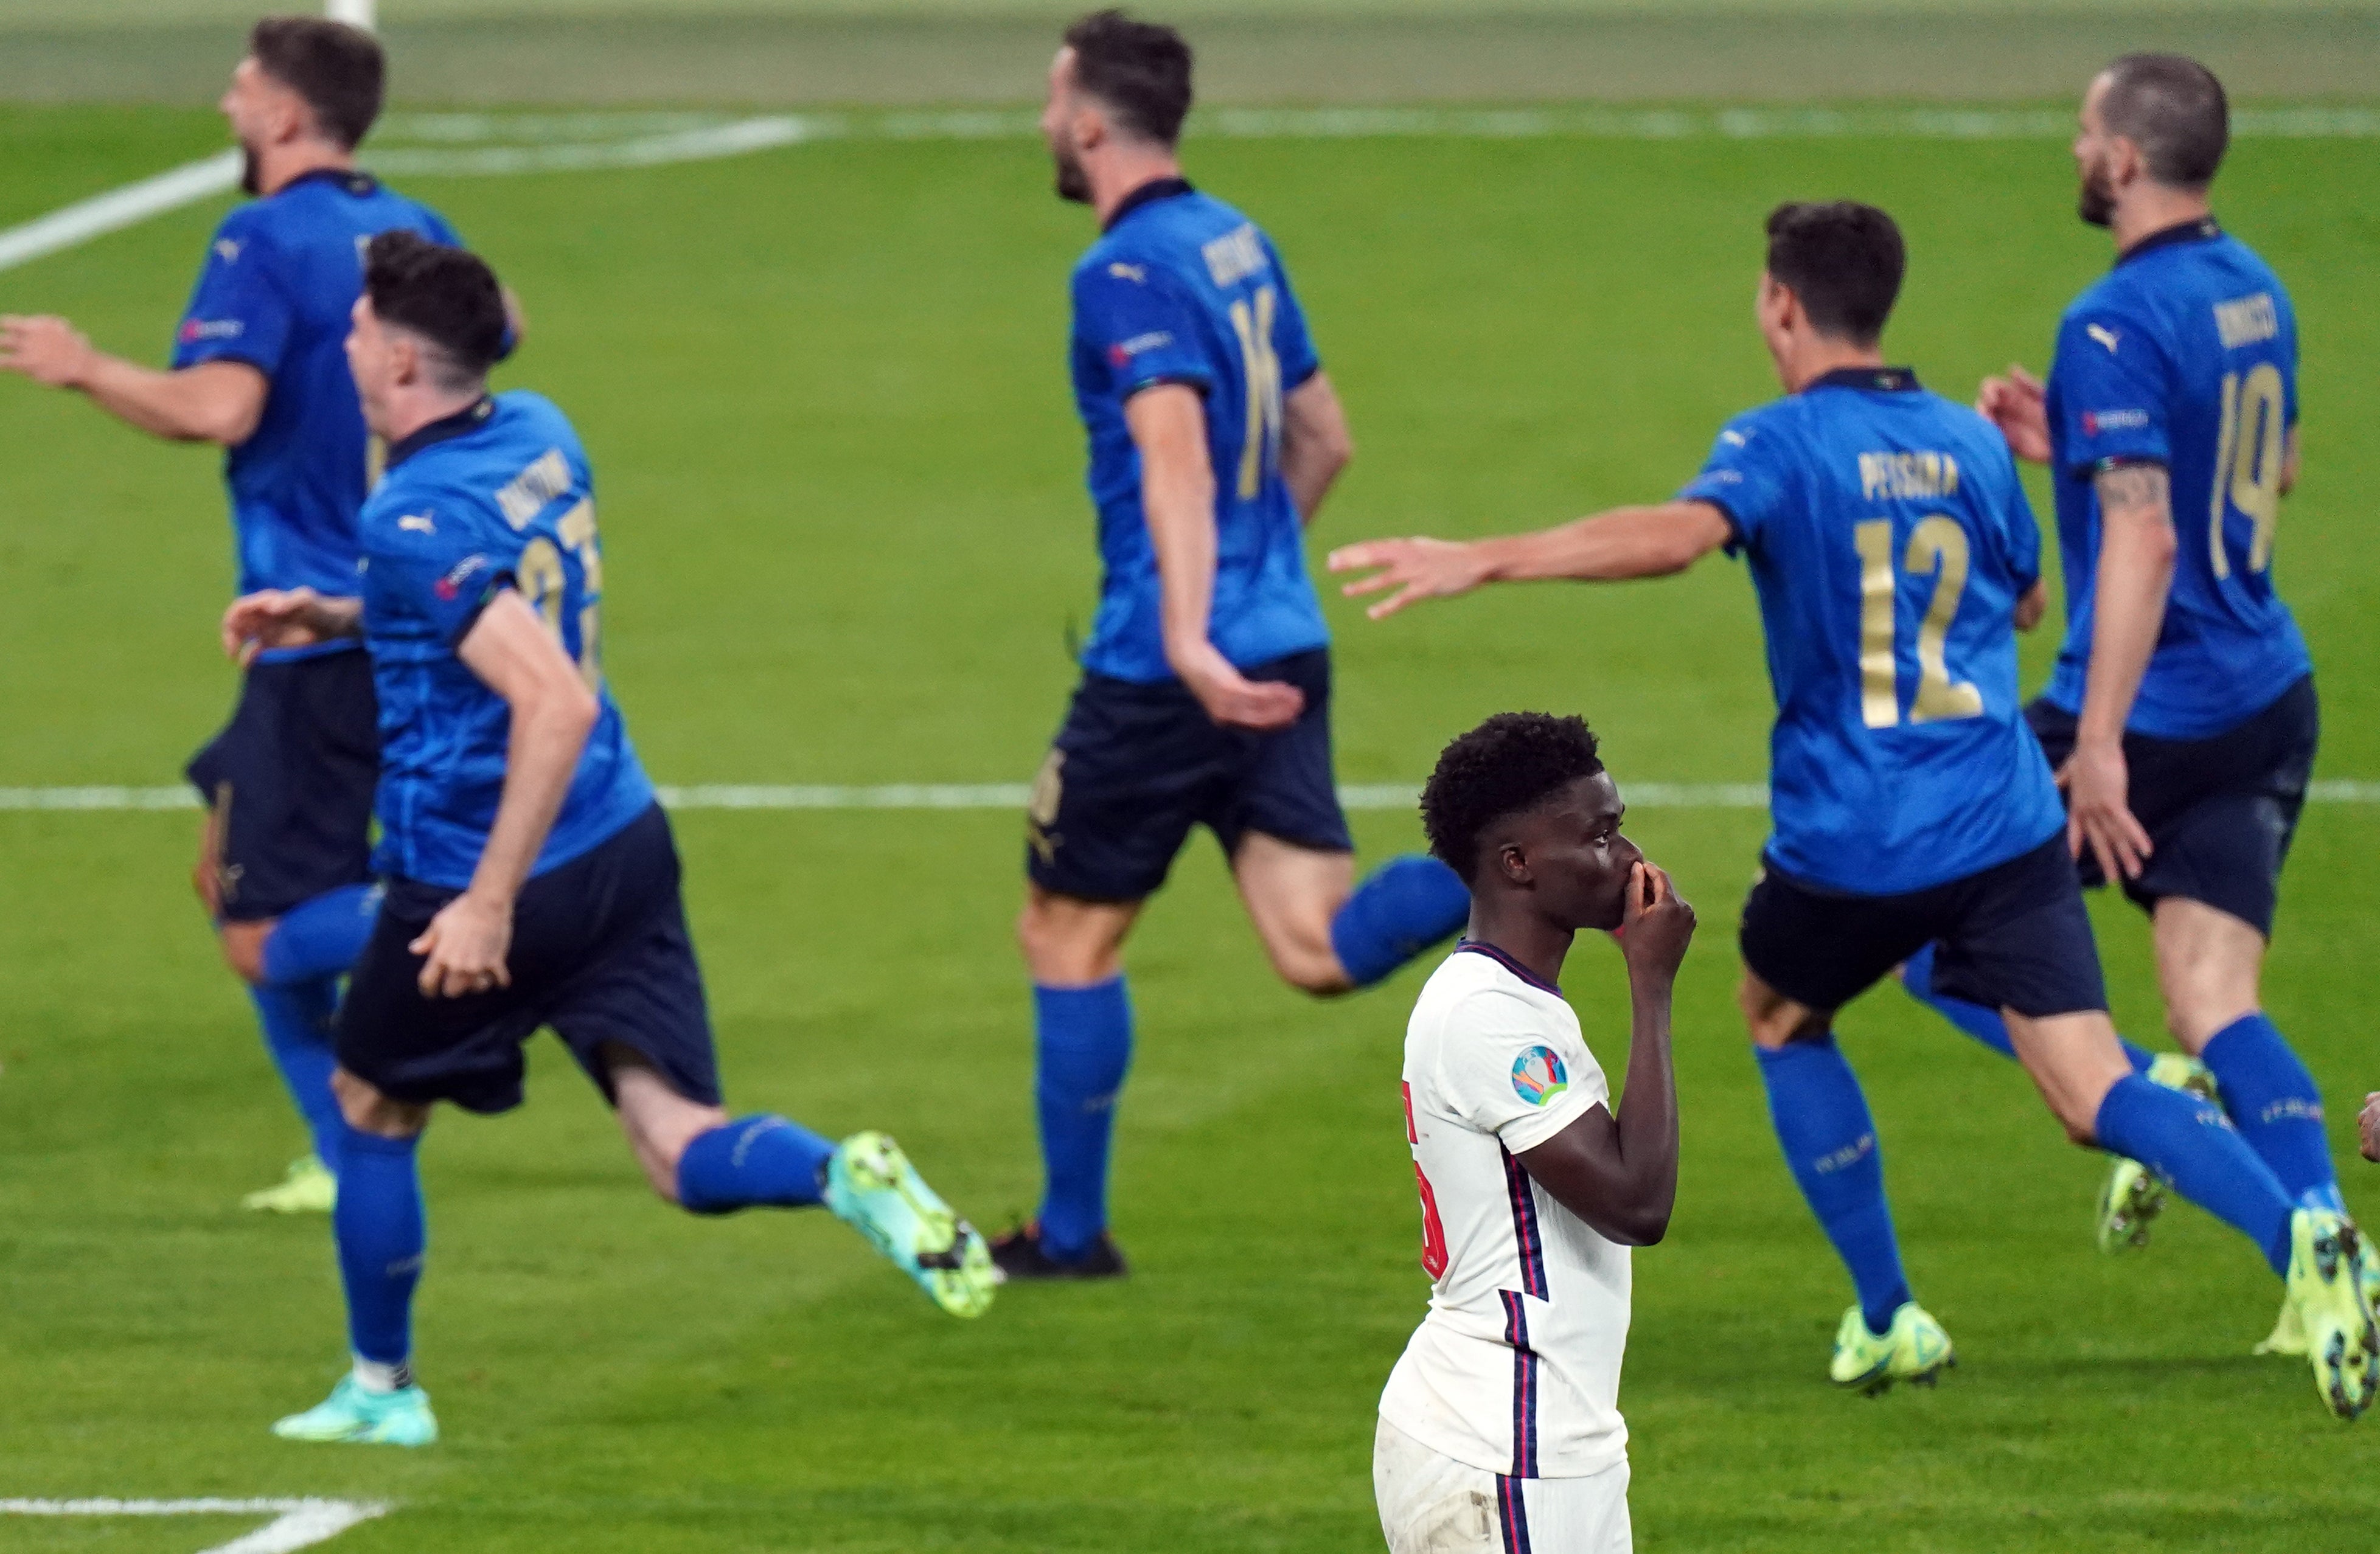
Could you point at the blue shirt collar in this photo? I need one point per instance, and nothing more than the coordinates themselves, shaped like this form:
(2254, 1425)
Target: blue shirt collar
(1148, 193)
(2198, 230)
(355, 180)
(1882, 380)
(469, 419)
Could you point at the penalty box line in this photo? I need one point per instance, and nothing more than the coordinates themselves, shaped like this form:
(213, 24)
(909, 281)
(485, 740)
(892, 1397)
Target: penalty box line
(295, 1524)
(701, 796)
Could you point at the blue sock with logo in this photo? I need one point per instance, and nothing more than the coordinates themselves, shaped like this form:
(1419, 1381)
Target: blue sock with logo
(2190, 1144)
(320, 937)
(2277, 1106)
(382, 1233)
(1985, 1025)
(296, 1023)
(1401, 908)
(1829, 1142)
(753, 1160)
(1083, 1040)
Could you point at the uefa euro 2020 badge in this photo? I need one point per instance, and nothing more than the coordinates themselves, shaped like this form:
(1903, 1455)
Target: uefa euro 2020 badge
(1538, 1076)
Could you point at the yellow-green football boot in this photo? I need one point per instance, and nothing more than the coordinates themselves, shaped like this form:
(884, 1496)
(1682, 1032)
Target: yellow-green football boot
(2288, 1337)
(871, 1186)
(356, 1414)
(2334, 1314)
(309, 1188)
(2133, 1195)
(1914, 1349)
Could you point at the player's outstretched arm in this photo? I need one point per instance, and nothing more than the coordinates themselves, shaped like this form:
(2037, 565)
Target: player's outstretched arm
(553, 713)
(1620, 1175)
(1168, 422)
(1314, 446)
(1625, 542)
(214, 402)
(2136, 555)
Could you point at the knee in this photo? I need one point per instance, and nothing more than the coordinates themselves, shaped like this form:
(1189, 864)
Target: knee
(1772, 1019)
(369, 1112)
(243, 950)
(1063, 949)
(1311, 968)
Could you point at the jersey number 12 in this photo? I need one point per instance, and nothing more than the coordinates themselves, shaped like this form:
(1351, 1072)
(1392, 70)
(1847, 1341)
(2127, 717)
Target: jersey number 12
(1936, 546)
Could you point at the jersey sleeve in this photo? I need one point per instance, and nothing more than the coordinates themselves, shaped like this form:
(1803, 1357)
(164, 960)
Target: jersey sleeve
(2021, 531)
(2111, 374)
(1137, 317)
(439, 566)
(240, 309)
(1292, 343)
(1744, 478)
(1504, 1069)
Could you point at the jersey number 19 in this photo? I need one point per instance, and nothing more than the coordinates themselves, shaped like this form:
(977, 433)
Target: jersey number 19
(2249, 452)
(1253, 323)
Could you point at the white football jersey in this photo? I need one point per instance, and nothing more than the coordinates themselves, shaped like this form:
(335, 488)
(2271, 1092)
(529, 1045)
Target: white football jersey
(1516, 1367)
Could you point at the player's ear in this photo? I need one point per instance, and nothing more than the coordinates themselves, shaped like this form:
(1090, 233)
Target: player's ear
(1513, 862)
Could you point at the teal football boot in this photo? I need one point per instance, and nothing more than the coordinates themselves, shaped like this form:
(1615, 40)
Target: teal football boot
(354, 1412)
(872, 1187)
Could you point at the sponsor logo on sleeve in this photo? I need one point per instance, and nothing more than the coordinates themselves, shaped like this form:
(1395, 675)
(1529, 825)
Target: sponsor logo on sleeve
(195, 330)
(1733, 439)
(1136, 273)
(450, 587)
(2097, 421)
(2102, 333)
(418, 523)
(228, 249)
(1122, 353)
(1538, 1076)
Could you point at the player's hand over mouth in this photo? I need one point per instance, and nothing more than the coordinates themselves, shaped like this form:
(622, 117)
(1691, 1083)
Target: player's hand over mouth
(1656, 926)
(1418, 568)
(465, 944)
(2018, 406)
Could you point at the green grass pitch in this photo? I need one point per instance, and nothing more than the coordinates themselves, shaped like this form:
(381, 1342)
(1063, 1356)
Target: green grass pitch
(823, 389)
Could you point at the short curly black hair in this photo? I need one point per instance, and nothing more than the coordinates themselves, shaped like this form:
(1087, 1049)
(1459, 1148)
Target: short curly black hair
(1510, 763)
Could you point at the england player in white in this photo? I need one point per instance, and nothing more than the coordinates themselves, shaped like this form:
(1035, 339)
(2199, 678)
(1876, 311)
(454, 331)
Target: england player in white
(1501, 1426)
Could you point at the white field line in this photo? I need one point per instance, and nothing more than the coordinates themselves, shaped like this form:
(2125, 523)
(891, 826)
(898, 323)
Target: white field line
(501, 145)
(916, 796)
(296, 1523)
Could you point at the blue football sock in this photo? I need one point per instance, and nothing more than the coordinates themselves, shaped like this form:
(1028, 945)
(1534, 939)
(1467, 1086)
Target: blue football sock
(1985, 1025)
(297, 1021)
(1401, 908)
(380, 1233)
(320, 937)
(2274, 1104)
(2190, 1144)
(1829, 1141)
(1083, 1037)
(765, 1160)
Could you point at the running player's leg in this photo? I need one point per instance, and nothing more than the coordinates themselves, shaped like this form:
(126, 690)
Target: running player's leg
(1982, 1023)
(284, 870)
(1805, 954)
(1281, 824)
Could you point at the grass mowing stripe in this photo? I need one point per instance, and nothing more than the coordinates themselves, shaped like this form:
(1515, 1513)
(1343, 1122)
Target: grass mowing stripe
(1002, 796)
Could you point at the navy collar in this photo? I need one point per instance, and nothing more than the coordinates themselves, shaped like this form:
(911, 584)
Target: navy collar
(1148, 193)
(462, 422)
(355, 180)
(2198, 230)
(1508, 963)
(1882, 380)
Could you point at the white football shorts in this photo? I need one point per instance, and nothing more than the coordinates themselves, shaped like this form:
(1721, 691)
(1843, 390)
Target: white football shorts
(1432, 1504)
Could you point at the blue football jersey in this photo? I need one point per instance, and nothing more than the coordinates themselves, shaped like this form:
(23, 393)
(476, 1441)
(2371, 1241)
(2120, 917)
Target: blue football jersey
(1182, 289)
(499, 496)
(280, 276)
(1889, 541)
(2186, 355)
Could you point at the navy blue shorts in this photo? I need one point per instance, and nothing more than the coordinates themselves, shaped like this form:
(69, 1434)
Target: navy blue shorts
(2013, 936)
(2220, 812)
(1136, 766)
(599, 953)
(290, 780)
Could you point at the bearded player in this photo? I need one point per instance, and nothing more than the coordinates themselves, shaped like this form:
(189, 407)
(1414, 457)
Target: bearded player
(1501, 1428)
(1205, 691)
(284, 855)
